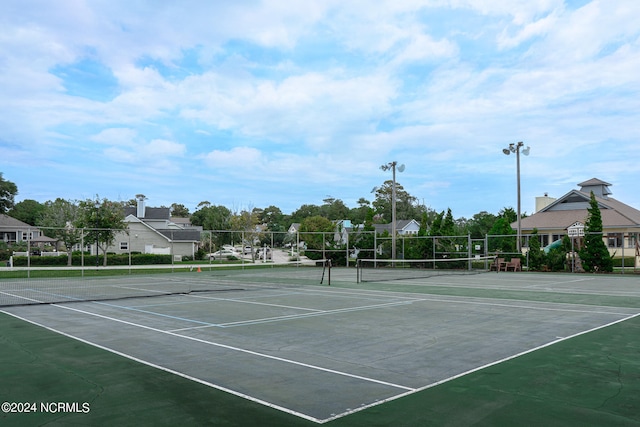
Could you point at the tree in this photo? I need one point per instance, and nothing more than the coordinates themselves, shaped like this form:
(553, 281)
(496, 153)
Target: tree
(536, 254)
(448, 225)
(28, 211)
(480, 224)
(556, 259)
(444, 230)
(102, 219)
(334, 209)
(211, 217)
(8, 191)
(405, 203)
(273, 218)
(276, 222)
(247, 223)
(364, 237)
(436, 225)
(314, 231)
(305, 211)
(61, 215)
(359, 215)
(502, 228)
(594, 254)
(179, 210)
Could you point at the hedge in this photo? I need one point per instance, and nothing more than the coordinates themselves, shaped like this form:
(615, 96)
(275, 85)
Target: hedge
(89, 260)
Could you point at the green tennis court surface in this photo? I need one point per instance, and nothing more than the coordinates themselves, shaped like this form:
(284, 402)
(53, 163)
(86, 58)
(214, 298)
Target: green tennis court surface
(458, 350)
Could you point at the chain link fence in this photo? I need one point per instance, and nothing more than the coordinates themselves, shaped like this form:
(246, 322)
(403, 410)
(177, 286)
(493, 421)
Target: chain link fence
(87, 247)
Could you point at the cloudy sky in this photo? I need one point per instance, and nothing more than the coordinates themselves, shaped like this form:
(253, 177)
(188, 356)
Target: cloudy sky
(257, 103)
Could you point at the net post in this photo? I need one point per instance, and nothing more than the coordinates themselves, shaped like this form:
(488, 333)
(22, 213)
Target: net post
(326, 267)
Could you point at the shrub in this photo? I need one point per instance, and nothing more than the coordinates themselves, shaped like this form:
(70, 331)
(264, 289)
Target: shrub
(536, 254)
(89, 260)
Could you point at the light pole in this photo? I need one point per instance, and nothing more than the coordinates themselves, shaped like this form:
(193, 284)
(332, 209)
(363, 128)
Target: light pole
(386, 167)
(97, 205)
(515, 148)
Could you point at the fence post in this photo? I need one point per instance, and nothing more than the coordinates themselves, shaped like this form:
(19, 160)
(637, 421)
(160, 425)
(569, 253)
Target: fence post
(622, 253)
(469, 251)
(28, 253)
(346, 249)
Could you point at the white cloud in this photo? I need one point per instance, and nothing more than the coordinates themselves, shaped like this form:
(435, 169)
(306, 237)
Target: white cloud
(116, 136)
(125, 146)
(239, 159)
(321, 93)
(528, 30)
(300, 107)
(164, 148)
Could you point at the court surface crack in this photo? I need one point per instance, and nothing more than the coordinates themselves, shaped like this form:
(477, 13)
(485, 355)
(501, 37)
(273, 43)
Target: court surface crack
(619, 380)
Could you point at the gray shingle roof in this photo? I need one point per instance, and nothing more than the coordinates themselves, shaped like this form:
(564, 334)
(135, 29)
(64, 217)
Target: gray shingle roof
(149, 213)
(615, 214)
(7, 221)
(181, 235)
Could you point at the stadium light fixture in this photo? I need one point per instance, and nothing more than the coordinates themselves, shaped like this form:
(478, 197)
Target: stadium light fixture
(515, 148)
(392, 166)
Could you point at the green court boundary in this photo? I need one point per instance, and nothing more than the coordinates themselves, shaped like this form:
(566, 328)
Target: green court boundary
(589, 380)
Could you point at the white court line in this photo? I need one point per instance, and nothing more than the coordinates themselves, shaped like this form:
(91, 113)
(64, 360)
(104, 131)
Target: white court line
(473, 300)
(242, 301)
(296, 316)
(238, 349)
(479, 368)
(21, 296)
(124, 307)
(541, 287)
(171, 371)
(530, 307)
(237, 300)
(322, 313)
(408, 390)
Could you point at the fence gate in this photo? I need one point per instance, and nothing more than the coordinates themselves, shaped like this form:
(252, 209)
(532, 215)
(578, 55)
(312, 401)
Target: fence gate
(479, 248)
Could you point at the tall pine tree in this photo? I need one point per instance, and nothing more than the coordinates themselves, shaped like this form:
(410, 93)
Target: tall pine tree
(595, 255)
(536, 254)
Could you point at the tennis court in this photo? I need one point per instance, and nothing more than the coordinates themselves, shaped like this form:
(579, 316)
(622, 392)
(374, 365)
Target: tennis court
(322, 352)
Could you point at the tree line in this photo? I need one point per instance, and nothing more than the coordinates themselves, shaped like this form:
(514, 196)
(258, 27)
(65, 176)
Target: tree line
(218, 217)
(105, 216)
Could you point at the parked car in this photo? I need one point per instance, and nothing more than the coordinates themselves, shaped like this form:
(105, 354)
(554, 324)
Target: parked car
(224, 254)
(261, 252)
(247, 250)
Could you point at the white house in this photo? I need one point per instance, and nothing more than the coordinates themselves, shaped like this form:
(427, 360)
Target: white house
(294, 228)
(404, 227)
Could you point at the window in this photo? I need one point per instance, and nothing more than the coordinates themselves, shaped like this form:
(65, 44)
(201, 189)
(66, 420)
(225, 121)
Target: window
(544, 241)
(614, 240)
(27, 235)
(124, 246)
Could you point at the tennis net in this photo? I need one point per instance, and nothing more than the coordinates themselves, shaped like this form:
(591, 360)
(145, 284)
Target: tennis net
(113, 284)
(381, 270)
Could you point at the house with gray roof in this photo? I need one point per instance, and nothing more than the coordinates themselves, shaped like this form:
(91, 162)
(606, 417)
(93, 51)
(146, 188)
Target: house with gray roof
(15, 231)
(152, 231)
(555, 217)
